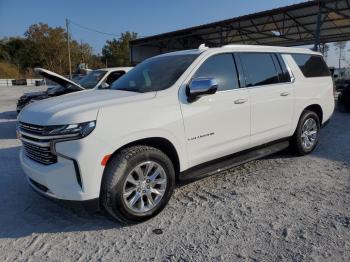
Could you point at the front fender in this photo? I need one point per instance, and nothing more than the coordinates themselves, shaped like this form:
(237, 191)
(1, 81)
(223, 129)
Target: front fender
(179, 145)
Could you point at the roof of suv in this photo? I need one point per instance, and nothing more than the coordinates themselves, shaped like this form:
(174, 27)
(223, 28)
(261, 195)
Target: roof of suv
(246, 48)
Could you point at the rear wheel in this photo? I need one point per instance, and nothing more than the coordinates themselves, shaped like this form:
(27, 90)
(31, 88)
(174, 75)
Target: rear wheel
(138, 183)
(306, 135)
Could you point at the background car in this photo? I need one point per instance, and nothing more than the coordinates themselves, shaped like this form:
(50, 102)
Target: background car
(342, 83)
(96, 79)
(344, 99)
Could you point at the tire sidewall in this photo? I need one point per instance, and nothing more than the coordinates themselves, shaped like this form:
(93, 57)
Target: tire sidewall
(117, 202)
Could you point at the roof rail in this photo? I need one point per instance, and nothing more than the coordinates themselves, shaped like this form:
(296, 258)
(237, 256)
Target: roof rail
(229, 45)
(203, 47)
(234, 45)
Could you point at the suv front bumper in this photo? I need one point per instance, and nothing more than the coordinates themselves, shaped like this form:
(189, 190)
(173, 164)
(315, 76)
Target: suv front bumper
(58, 181)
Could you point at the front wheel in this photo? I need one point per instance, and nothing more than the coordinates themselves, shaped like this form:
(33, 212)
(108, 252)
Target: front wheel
(306, 135)
(138, 183)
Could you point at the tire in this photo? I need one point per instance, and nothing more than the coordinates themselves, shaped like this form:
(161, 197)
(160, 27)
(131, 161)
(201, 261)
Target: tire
(125, 172)
(299, 138)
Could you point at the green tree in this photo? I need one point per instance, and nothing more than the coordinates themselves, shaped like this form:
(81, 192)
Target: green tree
(45, 46)
(20, 53)
(8, 70)
(4, 55)
(14, 51)
(82, 53)
(49, 46)
(116, 52)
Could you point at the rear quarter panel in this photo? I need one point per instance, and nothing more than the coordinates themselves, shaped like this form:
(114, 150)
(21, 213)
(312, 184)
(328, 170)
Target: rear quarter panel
(309, 91)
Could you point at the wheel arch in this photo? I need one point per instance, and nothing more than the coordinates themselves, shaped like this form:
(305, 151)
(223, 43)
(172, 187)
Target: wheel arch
(160, 143)
(317, 109)
(312, 107)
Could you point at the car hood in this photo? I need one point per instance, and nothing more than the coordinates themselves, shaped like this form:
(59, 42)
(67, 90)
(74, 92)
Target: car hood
(34, 94)
(76, 107)
(61, 80)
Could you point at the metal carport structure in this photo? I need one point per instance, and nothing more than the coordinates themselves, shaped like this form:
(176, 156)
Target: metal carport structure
(313, 22)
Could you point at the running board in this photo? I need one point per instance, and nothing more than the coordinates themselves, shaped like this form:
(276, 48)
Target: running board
(227, 162)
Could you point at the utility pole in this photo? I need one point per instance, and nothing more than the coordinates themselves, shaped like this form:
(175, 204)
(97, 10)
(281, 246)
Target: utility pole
(318, 28)
(68, 45)
(81, 51)
(340, 54)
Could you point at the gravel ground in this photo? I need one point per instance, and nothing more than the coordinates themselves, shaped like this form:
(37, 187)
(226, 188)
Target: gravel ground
(278, 208)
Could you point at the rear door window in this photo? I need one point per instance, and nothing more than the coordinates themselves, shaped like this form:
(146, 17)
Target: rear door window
(259, 69)
(311, 65)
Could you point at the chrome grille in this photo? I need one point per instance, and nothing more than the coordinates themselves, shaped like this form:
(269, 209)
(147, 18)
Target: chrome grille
(31, 128)
(39, 154)
(36, 146)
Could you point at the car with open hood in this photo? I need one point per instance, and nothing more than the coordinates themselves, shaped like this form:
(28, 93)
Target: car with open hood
(96, 79)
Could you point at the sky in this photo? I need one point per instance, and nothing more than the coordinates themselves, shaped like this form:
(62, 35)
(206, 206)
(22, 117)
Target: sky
(115, 16)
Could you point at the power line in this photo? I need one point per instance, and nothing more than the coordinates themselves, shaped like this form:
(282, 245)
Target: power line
(97, 31)
(92, 29)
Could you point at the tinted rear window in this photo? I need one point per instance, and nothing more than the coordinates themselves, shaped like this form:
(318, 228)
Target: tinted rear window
(311, 65)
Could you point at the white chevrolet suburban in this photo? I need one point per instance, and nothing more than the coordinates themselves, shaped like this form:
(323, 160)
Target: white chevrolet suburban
(174, 117)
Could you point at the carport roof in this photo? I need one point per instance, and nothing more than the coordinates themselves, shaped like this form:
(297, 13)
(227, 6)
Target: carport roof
(310, 22)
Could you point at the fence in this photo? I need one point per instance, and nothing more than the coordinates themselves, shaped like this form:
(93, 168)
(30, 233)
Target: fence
(25, 82)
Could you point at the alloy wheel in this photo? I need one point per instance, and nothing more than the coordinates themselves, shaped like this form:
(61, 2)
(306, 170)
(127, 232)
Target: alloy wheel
(309, 133)
(144, 187)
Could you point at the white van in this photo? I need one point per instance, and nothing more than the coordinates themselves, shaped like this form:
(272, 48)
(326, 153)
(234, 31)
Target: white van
(176, 116)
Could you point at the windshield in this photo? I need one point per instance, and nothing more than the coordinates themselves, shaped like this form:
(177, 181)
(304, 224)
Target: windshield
(154, 74)
(91, 79)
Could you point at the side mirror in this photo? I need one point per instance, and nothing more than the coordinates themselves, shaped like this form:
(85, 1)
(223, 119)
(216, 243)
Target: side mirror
(201, 86)
(104, 85)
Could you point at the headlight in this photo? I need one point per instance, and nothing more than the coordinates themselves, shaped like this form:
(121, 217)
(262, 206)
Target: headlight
(78, 130)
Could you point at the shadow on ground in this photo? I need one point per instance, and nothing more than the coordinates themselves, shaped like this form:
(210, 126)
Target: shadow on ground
(333, 143)
(24, 212)
(8, 115)
(8, 130)
(329, 147)
(8, 125)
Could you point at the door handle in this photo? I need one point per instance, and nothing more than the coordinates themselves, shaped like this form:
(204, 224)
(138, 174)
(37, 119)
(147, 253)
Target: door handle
(285, 94)
(240, 101)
